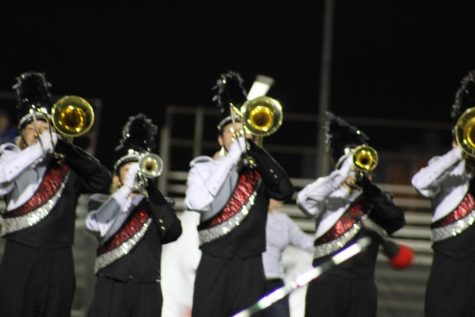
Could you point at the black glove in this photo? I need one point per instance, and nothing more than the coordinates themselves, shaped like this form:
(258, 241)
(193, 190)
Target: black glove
(273, 175)
(369, 189)
(383, 211)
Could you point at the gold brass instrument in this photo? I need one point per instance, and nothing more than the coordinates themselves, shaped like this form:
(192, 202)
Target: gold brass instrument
(150, 166)
(465, 132)
(365, 158)
(262, 116)
(72, 116)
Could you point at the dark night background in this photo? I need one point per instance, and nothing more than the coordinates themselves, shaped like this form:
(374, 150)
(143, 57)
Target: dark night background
(399, 60)
(396, 65)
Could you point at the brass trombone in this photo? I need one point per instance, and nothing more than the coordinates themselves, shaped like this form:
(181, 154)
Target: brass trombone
(465, 132)
(150, 165)
(365, 158)
(72, 116)
(261, 116)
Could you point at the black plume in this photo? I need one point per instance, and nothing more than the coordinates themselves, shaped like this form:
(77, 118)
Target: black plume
(32, 88)
(138, 134)
(340, 134)
(229, 89)
(32, 91)
(465, 95)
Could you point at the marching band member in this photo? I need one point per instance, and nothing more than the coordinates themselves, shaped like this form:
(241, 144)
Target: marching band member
(339, 202)
(448, 181)
(41, 193)
(131, 224)
(233, 200)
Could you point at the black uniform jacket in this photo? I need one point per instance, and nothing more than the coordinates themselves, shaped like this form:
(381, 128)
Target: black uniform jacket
(248, 239)
(87, 175)
(142, 263)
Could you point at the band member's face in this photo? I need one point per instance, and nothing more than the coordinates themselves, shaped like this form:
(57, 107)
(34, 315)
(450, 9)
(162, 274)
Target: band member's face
(29, 132)
(123, 172)
(226, 138)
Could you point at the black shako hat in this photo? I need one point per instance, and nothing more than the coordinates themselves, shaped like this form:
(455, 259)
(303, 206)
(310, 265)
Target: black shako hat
(33, 95)
(228, 90)
(138, 136)
(341, 135)
(464, 96)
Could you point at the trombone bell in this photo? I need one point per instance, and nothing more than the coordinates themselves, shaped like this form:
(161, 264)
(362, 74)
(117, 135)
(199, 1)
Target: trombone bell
(465, 131)
(262, 116)
(72, 116)
(365, 158)
(150, 166)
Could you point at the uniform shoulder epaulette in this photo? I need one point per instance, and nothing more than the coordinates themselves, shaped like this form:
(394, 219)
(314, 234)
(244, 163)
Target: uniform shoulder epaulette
(434, 159)
(201, 159)
(8, 147)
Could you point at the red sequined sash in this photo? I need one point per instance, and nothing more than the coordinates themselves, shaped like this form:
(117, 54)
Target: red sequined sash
(466, 206)
(246, 185)
(133, 225)
(49, 185)
(345, 223)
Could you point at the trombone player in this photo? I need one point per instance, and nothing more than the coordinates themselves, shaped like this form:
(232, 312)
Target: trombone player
(231, 192)
(448, 181)
(340, 202)
(131, 225)
(41, 178)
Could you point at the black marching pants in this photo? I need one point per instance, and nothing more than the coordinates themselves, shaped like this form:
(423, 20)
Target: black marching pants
(113, 298)
(451, 286)
(338, 296)
(36, 282)
(224, 287)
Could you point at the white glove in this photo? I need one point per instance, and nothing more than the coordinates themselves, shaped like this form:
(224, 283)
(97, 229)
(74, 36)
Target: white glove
(48, 140)
(131, 176)
(458, 152)
(347, 166)
(236, 148)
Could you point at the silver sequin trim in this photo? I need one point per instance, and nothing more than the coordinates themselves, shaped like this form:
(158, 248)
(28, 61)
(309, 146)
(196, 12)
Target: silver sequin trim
(213, 233)
(322, 250)
(107, 258)
(454, 228)
(33, 217)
